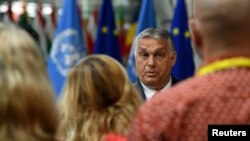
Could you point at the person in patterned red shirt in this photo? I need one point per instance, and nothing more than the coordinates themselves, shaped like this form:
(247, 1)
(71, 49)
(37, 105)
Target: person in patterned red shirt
(219, 93)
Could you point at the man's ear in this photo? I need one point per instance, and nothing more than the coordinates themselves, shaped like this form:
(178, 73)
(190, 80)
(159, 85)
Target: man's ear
(195, 32)
(173, 57)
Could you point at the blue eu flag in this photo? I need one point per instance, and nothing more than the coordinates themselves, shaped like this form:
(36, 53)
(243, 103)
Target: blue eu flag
(146, 20)
(67, 48)
(184, 66)
(107, 41)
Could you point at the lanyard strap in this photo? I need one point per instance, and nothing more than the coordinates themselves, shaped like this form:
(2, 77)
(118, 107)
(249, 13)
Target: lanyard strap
(224, 64)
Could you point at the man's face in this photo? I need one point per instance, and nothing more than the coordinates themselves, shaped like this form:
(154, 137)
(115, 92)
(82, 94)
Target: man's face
(154, 61)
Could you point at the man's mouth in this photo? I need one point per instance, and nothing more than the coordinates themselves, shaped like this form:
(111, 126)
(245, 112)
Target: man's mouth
(151, 73)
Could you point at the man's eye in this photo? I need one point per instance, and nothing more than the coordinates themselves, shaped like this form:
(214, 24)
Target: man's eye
(144, 55)
(159, 55)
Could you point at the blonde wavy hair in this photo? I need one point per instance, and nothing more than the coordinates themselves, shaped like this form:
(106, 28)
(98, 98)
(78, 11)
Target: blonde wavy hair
(98, 99)
(27, 108)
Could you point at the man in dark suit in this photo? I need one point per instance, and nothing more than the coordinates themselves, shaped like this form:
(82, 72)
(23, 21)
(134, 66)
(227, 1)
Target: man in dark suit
(154, 57)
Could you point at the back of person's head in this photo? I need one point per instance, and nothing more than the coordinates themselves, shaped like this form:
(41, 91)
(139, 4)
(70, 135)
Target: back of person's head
(221, 25)
(98, 98)
(27, 109)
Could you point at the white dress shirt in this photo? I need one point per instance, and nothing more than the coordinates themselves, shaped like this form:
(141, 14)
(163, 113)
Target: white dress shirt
(150, 92)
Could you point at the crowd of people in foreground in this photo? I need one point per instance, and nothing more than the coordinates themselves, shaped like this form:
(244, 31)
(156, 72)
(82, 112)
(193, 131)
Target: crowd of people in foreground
(99, 103)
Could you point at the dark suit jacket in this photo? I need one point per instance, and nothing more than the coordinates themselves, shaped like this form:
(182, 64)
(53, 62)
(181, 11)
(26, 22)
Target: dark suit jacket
(140, 88)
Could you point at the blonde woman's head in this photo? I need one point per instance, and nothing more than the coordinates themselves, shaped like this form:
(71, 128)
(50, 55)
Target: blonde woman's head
(99, 93)
(27, 107)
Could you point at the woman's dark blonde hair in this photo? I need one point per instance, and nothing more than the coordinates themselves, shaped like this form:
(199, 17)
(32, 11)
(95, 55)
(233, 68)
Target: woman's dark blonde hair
(98, 99)
(27, 109)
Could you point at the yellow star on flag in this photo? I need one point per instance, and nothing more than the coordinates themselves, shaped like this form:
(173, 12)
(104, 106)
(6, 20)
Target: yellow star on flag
(176, 31)
(187, 34)
(104, 29)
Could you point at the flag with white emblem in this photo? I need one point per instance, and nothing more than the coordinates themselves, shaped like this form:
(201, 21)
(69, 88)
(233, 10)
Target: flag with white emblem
(68, 47)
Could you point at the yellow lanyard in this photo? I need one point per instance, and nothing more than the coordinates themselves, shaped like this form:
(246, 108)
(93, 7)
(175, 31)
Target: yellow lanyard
(224, 64)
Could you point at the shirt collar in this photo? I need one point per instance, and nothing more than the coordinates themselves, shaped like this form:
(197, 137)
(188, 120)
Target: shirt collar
(150, 92)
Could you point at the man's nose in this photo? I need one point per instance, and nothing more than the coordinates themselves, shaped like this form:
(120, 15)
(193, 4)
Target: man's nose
(151, 61)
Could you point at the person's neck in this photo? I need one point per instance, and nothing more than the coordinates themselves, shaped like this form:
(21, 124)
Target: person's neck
(219, 49)
(232, 52)
(160, 87)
